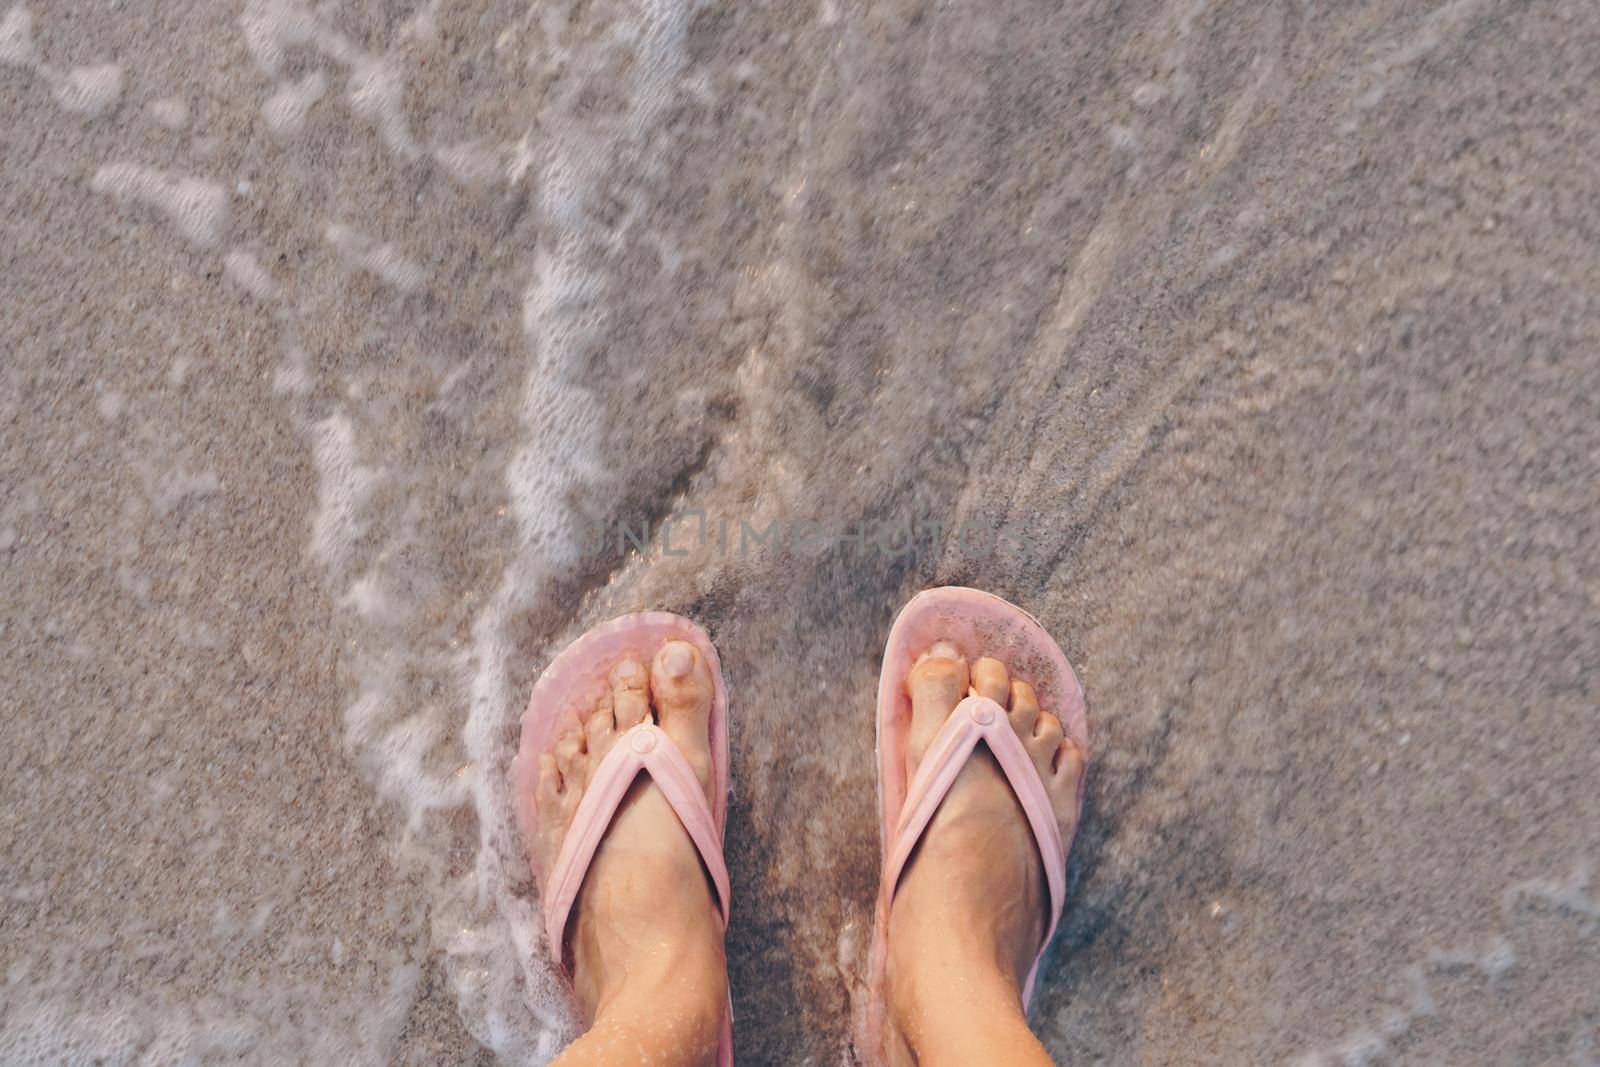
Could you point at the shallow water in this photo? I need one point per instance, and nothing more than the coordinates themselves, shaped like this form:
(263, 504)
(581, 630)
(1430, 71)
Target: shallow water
(1251, 347)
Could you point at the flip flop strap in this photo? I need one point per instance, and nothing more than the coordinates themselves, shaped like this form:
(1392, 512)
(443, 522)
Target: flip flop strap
(648, 748)
(978, 719)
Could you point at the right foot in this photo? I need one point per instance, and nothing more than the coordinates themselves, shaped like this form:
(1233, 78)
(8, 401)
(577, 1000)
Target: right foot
(972, 904)
(645, 938)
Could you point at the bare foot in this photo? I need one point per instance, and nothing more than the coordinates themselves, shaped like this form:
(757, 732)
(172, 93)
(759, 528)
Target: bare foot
(971, 907)
(645, 939)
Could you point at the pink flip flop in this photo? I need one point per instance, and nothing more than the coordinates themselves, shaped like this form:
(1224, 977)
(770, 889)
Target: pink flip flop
(979, 624)
(573, 682)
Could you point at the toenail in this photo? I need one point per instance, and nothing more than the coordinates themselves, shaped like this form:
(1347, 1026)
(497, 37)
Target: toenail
(945, 650)
(643, 741)
(677, 660)
(628, 671)
(983, 714)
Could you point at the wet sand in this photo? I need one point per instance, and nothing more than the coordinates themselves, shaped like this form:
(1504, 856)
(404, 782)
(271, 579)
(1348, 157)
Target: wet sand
(1252, 347)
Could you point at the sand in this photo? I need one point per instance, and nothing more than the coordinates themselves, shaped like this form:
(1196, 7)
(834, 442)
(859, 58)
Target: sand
(1251, 346)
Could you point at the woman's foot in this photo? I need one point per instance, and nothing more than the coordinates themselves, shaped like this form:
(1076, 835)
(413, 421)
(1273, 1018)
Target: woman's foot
(971, 907)
(645, 939)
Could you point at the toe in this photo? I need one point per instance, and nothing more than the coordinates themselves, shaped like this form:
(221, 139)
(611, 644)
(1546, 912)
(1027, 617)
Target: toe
(569, 752)
(556, 799)
(630, 693)
(1024, 708)
(680, 682)
(1045, 741)
(681, 688)
(938, 681)
(936, 684)
(1068, 765)
(1063, 785)
(991, 679)
(600, 727)
(549, 780)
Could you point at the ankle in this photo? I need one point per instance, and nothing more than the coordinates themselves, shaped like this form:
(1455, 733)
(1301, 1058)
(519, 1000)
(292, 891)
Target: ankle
(955, 987)
(669, 1030)
(960, 1012)
(677, 991)
(690, 980)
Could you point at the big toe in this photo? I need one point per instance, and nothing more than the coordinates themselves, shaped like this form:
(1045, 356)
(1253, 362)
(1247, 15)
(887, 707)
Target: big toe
(680, 681)
(937, 684)
(681, 687)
